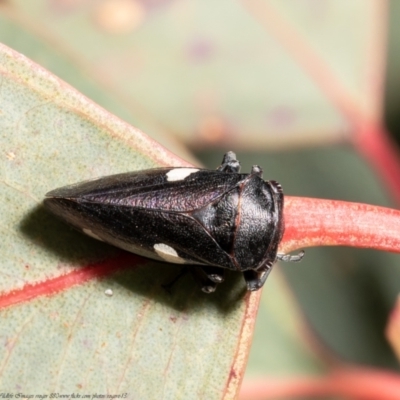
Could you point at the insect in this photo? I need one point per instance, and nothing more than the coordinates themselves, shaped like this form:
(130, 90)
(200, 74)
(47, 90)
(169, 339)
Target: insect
(211, 220)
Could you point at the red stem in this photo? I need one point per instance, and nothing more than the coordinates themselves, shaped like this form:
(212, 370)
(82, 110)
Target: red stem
(317, 222)
(309, 222)
(355, 383)
(374, 143)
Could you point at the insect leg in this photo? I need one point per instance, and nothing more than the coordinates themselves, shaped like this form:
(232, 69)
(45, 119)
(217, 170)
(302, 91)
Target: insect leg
(255, 280)
(215, 274)
(287, 257)
(229, 163)
(207, 277)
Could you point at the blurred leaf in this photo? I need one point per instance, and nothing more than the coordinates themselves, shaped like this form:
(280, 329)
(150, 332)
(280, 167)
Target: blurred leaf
(18, 33)
(257, 73)
(392, 92)
(393, 329)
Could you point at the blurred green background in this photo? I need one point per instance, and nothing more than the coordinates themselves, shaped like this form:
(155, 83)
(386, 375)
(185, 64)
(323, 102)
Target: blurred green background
(256, 77)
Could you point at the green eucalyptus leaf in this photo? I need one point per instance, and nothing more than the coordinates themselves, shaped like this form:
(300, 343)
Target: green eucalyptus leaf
(62, 329)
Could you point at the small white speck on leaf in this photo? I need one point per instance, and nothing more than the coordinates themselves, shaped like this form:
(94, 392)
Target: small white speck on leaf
(10, 155)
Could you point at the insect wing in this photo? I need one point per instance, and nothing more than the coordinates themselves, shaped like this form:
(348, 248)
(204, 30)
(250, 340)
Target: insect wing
(148, 212)
(151, 189)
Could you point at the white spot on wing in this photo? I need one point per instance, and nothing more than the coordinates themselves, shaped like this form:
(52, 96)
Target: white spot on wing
(179, 174)
(168, 253)
(91, 234)
(108, 292)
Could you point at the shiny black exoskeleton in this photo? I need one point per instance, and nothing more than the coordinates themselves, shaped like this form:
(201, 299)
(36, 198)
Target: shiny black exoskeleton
(210, 220)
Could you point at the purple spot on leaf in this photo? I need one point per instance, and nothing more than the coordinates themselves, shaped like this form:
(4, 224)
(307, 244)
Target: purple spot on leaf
(64, 7)
(281, 117)
(200, 50)
(155, 4)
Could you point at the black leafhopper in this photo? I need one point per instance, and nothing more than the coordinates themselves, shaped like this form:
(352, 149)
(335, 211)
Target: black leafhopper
(210, 220)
